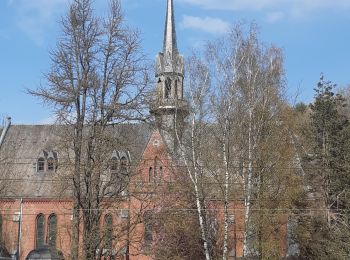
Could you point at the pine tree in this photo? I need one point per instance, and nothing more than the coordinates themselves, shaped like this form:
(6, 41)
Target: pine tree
(331, 135)
(327, 237)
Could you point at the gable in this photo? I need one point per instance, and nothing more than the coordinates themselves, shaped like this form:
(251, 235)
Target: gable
(156, 161)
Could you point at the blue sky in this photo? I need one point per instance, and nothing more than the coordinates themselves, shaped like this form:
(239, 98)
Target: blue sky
(314, 35)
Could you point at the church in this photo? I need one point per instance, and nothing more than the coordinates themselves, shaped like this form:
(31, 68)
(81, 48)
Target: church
(36, 215)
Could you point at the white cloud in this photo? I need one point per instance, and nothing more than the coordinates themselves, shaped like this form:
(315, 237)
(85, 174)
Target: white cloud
(294, 9)
(266, 4)
(206, 24)
(34, 17)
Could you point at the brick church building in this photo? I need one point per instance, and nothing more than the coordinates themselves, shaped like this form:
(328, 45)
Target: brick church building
(36, 216)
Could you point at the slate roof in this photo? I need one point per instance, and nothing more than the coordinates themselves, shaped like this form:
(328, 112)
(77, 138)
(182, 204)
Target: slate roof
(24, 143)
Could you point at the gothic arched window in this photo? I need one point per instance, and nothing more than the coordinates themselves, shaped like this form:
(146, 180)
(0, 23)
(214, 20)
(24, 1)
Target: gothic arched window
(167, 88)
(114, 165)
(41, 164)
(40, 230)
(150, 174)
(52, 233)
(156, 169)
(161, 172)
(1, 240)
(51, 164)
(148, 227)
(123, 165)
(176, 89)
(108, 231)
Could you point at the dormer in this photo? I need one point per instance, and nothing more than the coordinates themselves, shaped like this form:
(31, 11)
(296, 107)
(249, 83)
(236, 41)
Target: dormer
(120, 162)
(47, 161)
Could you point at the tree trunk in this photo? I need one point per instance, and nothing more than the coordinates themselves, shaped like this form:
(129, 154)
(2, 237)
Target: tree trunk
(225, 153)
(248, 189)
(194, 179)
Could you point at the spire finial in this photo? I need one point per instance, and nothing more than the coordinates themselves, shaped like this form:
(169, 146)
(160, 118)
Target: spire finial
(170, 45)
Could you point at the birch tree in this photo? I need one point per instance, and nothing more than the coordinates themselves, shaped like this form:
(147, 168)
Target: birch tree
(198, 83)
(224, 62)
(266, 146)
(249, 111)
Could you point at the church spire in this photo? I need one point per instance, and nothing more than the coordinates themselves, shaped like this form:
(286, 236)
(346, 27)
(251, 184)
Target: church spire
(169, 107)
(170, 45)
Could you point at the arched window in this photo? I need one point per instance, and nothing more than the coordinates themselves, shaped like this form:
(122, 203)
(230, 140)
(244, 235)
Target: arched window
(176, 90)
(41, 164)
(1, 240)
(52, 233)
(108, 232)
(40, 231)
(123, 165)
(167, 88)
(51, 164)
(161, 172)
(156, 169)
(147, 222)
(113, 165)
(150, 174)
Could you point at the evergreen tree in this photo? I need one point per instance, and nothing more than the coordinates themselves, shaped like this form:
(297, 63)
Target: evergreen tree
(326, 236)
(331, 139)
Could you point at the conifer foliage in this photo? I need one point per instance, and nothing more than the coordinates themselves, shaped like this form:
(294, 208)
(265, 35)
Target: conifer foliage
(325, 233)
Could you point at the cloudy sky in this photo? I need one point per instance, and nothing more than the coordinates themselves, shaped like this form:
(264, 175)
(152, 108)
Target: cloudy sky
(314, 35)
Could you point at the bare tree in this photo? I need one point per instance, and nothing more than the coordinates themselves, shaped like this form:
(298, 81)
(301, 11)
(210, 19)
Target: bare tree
(266, 153)
(236, 95)
(224, 61)
(97, 80)
(249, 115)
(190, 148)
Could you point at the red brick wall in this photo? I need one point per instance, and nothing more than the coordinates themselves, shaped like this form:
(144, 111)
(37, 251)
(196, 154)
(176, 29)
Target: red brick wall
(30, 210)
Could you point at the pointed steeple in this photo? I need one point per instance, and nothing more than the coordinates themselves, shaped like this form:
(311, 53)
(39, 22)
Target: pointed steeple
(169, 107)
(169, 44)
